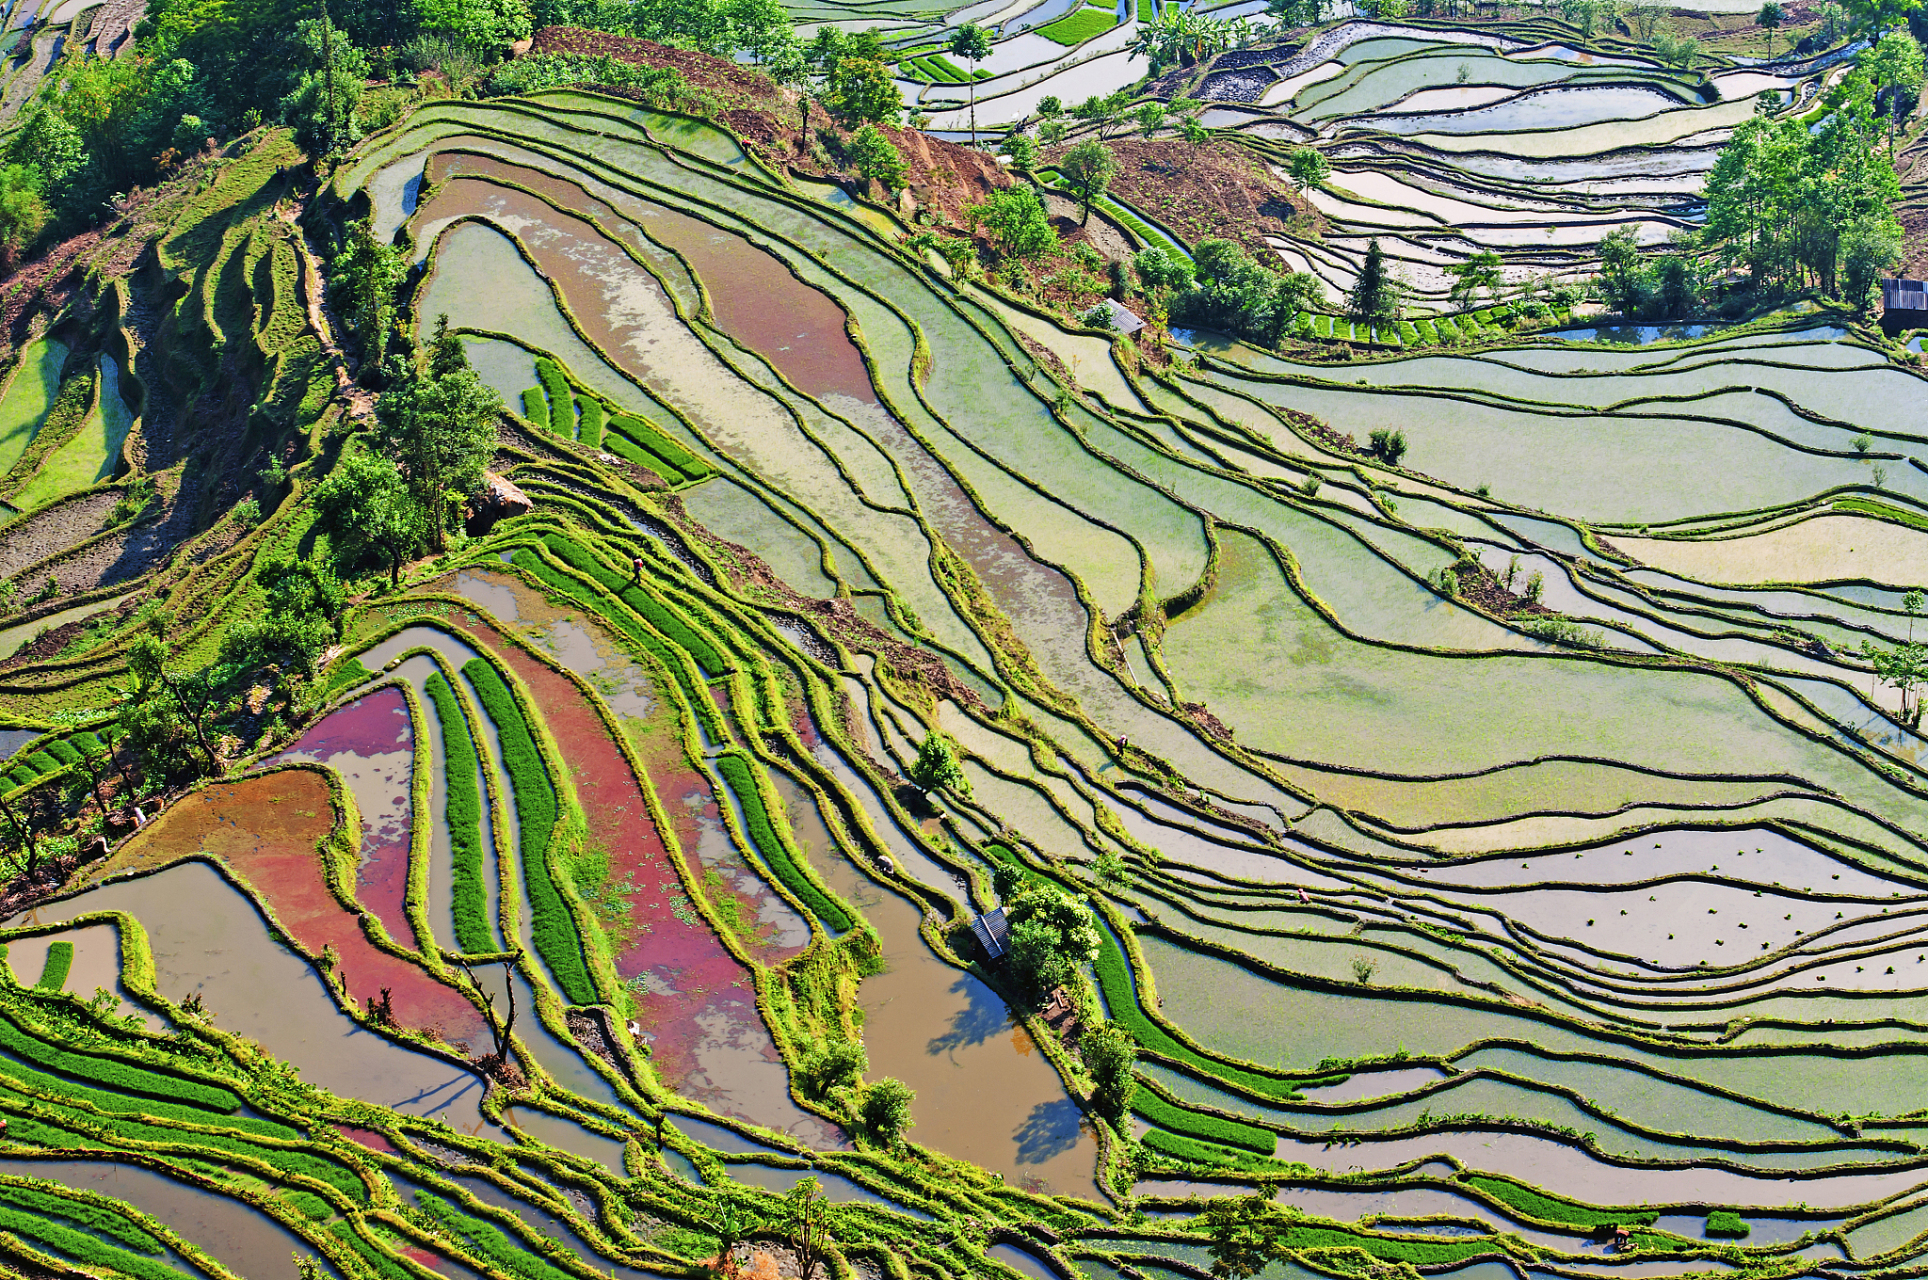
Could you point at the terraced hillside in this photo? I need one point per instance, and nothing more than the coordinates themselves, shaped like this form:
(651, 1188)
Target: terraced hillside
(1390, 834)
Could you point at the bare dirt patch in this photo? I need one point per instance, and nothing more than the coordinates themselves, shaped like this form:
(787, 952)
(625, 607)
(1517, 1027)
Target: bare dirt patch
(1215, 189)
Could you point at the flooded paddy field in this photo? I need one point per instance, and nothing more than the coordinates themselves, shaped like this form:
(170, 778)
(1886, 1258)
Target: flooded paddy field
(1501, 861)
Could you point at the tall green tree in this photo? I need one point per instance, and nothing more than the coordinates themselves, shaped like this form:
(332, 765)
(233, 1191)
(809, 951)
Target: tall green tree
(1623, 273)
(1110, 1054)
(885, 1110)
(367, 507)
(1477, 274)
(364, 277)
(1769, 19)
(1089, 167)
(1375, 295)
(973, 44)
(23, 210)
(875, 156)
(1308, 168)
(1244, 1235)
(439, 425)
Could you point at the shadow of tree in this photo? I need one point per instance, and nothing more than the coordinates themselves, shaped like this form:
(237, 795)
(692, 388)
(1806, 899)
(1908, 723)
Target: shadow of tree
(981, 1017)
(1049, 1131)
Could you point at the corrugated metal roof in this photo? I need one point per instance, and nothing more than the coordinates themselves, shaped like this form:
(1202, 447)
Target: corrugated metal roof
(1904, 295)
(993, 933)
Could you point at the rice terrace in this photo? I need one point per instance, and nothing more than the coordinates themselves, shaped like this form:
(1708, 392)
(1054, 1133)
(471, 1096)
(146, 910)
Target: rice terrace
(1057, 640)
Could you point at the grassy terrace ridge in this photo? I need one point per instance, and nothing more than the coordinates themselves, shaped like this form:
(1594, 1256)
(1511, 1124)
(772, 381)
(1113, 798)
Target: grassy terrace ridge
(1452, 790)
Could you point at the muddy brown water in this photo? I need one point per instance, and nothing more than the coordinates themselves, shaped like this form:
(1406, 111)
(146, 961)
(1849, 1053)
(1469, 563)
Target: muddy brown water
(753, 296)
(985, 1093)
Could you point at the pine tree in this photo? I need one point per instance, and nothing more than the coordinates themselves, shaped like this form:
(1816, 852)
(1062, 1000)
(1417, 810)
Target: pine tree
(1375, 297)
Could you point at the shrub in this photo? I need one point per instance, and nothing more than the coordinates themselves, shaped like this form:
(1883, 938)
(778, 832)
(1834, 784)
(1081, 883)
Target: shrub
(535, 809)
(473, 931)
(1198, 1124)
(1725, 1224)
(736, 771)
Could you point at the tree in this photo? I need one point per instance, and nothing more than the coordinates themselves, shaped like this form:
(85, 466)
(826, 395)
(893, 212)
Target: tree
(806, 1219)
(874, 156)
(1906, 668)
(488, 27)
(1022, 149)
(1016, 221)
(1481, 272)
(1374, 297)
(366, 506)
(1623, 275)
(886, 1110)
(973, 44)
(1308, 168)
(322, 104)
(1051, 934)
(1089, 167)
(1150, 117)
(1894, 68)
(1870, 249)
(193, 692)
(1770, 18)
(833, 1065)
(1674, 49)
(304, 602)
(1109, 1054)
(364, 277)
(937, 766)
(439, 424)
(860, 91)
(1677, 286)
(1388, 443)
(1232, 291)
(23, 210)
(1244, 1235)
(1645, 18)
(1879, 17)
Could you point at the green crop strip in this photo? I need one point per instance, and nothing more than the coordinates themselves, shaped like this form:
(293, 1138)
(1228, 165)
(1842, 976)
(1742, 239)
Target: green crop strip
(693, 693)
(1552, 1209)
(381, 1263)
(736, 771)
(1114, 979)
(60, 960)
(660, 453)
(1197, 1124)
(489, 1242)
(556, 938)
(463, 813)
(561, 415)
(1420, 1253)
(120, 1077)
(347, 676)
(661, 615)
(1869, 507)
(1076, 28)
(83, 1248)
(590, 427)
(80, 1213)
(1198, 1151)
(1725, 1224)
(535, 407)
